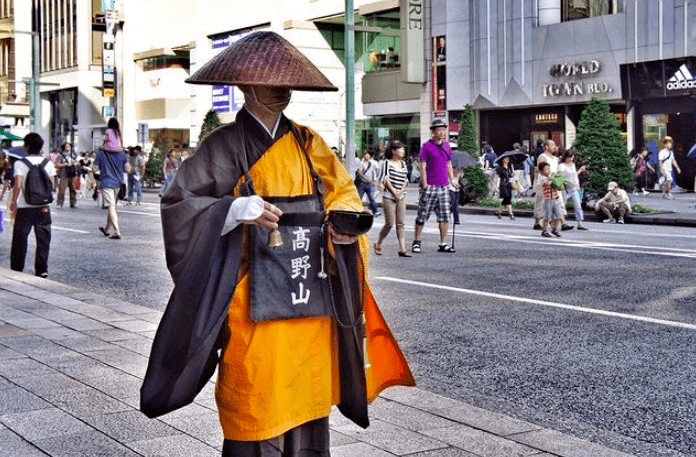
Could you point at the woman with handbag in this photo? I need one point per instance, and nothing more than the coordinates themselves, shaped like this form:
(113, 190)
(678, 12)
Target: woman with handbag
(506, 175)
(111, 163)
(394, 197)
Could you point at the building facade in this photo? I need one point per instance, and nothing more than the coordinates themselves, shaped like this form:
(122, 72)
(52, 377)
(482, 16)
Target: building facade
(528, 67)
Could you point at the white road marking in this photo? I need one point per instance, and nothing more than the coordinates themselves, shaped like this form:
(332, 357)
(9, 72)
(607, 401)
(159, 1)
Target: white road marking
(565, 242)
(542, 303)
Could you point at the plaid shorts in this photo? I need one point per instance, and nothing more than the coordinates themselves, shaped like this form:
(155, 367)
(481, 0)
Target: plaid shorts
(433, 198)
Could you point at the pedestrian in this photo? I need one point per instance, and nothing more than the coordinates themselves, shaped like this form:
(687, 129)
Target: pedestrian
(572, 184)
(111, 163)
(489, 159)
(436, 175)
(277, 376)
(550, 156)
(506, 176)
(667, 162)
(67, 171)
(169, 168)
(28, 216)
(365, 177)
(7, 176)
(136, 175)
(615, 204)
(394, 197)
(552, 210)
(640, 171)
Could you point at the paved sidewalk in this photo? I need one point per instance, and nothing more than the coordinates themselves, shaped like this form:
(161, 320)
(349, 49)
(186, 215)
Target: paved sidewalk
(71, 364)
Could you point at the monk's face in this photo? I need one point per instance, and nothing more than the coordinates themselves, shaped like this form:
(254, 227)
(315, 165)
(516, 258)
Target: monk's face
(269, 99)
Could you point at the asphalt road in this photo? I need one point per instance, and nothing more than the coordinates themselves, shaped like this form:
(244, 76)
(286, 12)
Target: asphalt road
(590, 334)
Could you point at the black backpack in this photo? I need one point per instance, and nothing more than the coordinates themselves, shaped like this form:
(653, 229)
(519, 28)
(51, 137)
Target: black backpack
(37, 184)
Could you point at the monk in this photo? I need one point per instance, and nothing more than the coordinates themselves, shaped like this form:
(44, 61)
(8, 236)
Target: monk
(268, 315)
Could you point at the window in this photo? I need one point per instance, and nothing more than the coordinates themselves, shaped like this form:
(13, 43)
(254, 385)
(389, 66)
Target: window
(580, 9)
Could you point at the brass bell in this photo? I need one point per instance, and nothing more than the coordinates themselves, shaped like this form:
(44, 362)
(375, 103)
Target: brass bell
(275, 239)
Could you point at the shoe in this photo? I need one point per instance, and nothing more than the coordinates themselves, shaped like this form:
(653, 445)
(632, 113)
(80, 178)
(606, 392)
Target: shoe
(537, 227)
(512, 217)
(456, 223)
(556, 232)
(445, 248)
(581, 227)
(670, 196)
(499, 216)
(103, 230)
(621, 220)
(378, 213)
(404, 254)
(73, 206)
(43, 275)
(545, 234)
(567, 227)
(645, 193)
(115, 237)
(416, 247)
(608, 221)
(378, 251)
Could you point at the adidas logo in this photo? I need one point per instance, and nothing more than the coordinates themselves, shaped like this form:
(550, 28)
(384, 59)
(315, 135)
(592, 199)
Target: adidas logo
(682, 79)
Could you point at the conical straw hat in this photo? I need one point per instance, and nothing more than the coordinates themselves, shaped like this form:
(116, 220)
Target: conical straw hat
(263, 59)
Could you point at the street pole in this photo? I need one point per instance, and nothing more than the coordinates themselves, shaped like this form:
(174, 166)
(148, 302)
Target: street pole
(35, 106)
(350, 86)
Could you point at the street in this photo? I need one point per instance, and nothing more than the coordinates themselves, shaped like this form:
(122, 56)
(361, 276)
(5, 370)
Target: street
(591, 334)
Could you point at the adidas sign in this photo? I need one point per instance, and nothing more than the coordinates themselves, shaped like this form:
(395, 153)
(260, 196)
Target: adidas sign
(682, 79)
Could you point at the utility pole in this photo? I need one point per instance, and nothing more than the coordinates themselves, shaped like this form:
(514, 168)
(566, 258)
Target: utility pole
(350, 86)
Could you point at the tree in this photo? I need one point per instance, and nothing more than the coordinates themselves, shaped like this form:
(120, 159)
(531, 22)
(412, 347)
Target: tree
(211, 121)
(477, 181)
(466, 140)
(602, 149)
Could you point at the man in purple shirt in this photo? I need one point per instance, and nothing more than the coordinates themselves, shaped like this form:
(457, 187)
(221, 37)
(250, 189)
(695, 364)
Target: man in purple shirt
(435, 177)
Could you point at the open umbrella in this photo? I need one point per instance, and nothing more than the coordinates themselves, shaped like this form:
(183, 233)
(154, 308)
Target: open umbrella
(692, 152)
(514, 155)
(463, 159)
(16, 152)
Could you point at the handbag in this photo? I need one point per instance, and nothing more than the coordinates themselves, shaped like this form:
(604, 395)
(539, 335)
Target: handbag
(121, 192)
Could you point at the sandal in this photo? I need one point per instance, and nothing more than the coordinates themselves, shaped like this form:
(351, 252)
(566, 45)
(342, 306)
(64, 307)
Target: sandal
(445, 248)
(416, 247)
(103, 230)
(378, 251)
(404, 254)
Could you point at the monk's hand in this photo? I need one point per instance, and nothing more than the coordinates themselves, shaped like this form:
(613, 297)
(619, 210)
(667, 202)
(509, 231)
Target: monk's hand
(340, 238)
(254, 210)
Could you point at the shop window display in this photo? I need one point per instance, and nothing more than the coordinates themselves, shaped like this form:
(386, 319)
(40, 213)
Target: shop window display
(580, 9)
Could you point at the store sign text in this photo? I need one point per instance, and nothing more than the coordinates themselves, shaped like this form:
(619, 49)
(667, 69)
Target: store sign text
(580, 69)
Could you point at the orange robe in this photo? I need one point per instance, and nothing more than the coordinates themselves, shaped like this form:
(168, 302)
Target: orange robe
(276, 375)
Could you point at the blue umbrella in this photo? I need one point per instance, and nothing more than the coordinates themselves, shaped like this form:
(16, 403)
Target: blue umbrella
(16, 152)
(692, 152)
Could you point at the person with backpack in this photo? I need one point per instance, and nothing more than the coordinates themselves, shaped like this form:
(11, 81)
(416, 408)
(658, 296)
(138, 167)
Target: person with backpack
(31, 197)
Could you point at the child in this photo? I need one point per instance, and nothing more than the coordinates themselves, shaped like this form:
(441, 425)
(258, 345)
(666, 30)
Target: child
(552, 209)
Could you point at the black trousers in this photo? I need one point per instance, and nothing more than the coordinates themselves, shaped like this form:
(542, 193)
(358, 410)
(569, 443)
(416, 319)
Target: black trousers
(307, 440)
(40, 220)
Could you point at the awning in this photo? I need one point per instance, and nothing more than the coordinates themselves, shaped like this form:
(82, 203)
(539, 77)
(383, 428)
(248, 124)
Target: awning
(9, 136)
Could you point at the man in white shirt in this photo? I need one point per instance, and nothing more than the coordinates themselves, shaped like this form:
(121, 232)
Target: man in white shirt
(29, 216)
(366, 175)
(666, 163)
(614, 204)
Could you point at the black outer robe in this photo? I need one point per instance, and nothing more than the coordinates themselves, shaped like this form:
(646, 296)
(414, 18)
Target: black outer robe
(202, 263)
(204, 267)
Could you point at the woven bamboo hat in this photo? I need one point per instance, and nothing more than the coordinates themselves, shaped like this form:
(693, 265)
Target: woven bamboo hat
(263, 59)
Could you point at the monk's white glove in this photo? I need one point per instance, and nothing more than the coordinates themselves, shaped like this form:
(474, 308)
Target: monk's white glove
(242, 209)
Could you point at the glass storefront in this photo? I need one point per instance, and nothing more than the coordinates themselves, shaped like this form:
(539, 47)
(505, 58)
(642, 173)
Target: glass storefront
(663, 94)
